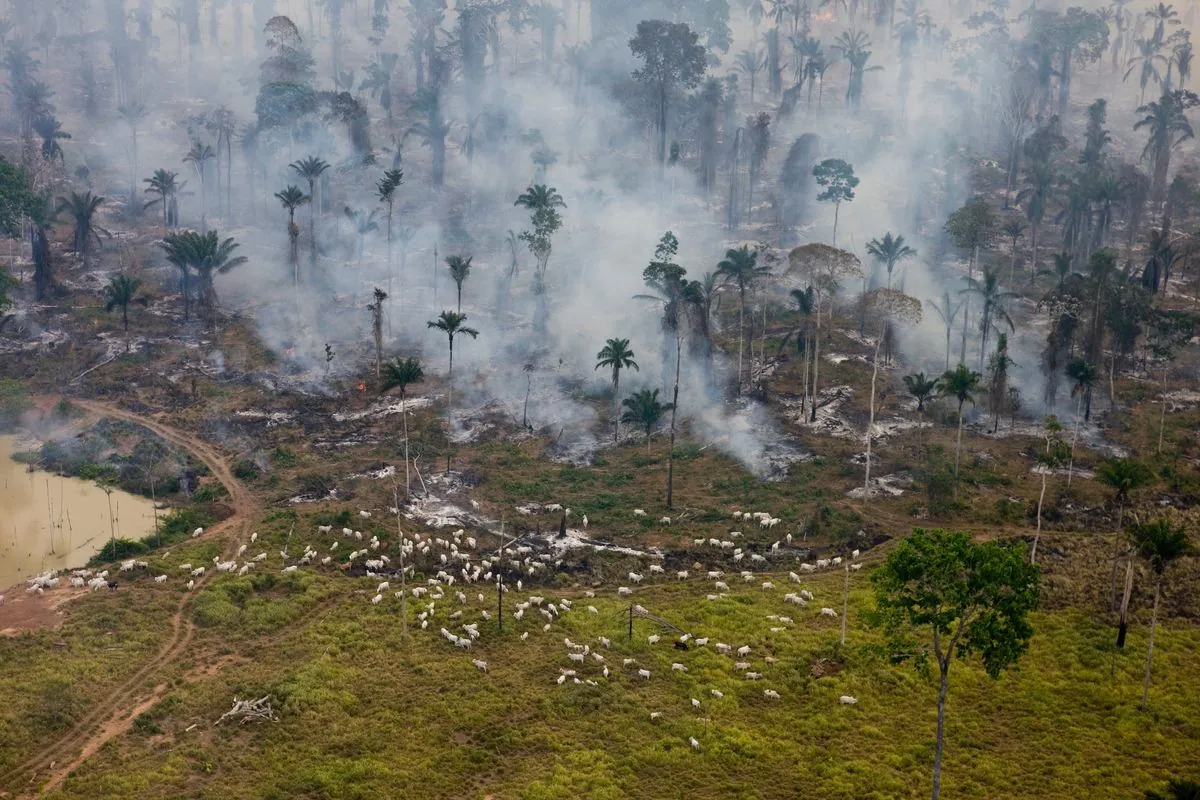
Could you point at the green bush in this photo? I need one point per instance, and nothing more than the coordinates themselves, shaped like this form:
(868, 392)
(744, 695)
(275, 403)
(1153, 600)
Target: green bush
(118, 549)
(246, 470)
(284, 457)
(209, 493)
(14, 402)
(178, 525)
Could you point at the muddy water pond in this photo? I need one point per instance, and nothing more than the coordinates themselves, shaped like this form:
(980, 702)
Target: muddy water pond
(49, 522)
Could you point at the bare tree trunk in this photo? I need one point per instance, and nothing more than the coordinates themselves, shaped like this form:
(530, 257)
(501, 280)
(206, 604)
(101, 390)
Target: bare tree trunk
(1123, 619)
(870, 427)
(1038, 534)
(1162, 415)
(674, 410)
(1150, 651)
(816, 362)
(943, 690)
(845, 602)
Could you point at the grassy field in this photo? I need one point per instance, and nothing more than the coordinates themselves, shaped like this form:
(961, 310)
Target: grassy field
(366, 714)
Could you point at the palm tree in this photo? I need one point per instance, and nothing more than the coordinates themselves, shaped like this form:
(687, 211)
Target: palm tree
(451, 323)
(120, 292)
(741, 266)
(311, 168)
(994, 302)
(83, 208)
(400, 374)
(133, 114)
(292, 198)
(364, 224)
(1159, 543)
(460, 268)
(1035, 196)
(617, 355)
(1163, 15)
(386, 188)
(163, 183)
(961, 384)
(1084, 376)
(543, 203)
(921, 388)
(890, 251)
(199, 156)
(948, 312)
(1168, 126)
(1148, 58)
(180, 250)
(644, 410)
(376, 310)
(212, 256)
(433, 129)
(751, 62)
(50, 130)
(1123, 476)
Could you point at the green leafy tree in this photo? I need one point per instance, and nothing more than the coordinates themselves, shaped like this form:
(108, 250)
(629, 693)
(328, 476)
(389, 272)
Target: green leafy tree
(1160, 544)
(460, 268)
(672, 60)
(542, 203)
(837, 181)
(968, 599)
(616, 355)
(400, 374)
(51, 133)
(82, 209)
(962, 385)
(121, 291)
(644, 410)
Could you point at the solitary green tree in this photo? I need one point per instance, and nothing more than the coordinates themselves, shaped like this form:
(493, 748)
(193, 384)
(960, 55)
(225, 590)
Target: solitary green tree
(741, 266)
(451, 324)
(890, 251)
(644, 410)
(292, 198)
(167, 186)
(82, 209)
(968, 598)
(1159, 543)
(837, 181)
(672, 59)
(921, 388)
(616, 355)
(311, 169)
(400, 374)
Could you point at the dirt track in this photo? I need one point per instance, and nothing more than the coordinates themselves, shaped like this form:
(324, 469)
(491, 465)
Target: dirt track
(115, 713)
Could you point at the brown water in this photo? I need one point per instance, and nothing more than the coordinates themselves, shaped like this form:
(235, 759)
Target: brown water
(48, 522)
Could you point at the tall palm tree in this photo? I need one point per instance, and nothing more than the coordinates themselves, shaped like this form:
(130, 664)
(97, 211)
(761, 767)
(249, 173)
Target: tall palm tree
(451, 324)
(1123, 476)
(1168, 126)
(364, 223)
(311, 169)
(994, 303)
(166, 185)
(616, 355)
(644, 410)
(890, 251)
(180, 248)
(1160, 543)
(751, 63)
(198, 157)
(51, 132)
(1163, 15)
(741, 267)
(292, 198)
(386, 190)
(460, 268)
(962, 384)
(120, 292)
(921, 388)
(1035, 197)
(83, 208)
(1148, 58)
(948, 311)
(433, 128)
(1083, 376)
(376, 310)
(400, 374)
(133, 114)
